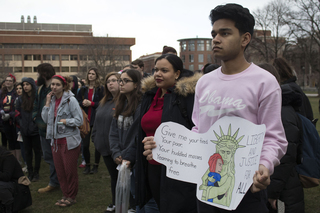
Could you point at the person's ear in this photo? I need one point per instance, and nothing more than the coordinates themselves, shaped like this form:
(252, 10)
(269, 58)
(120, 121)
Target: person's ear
(245, 39)
(177, 74)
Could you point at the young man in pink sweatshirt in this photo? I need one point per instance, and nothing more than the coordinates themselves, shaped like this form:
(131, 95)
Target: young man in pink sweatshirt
(242, 89)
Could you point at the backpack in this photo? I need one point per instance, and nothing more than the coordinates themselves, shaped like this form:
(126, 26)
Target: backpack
(85, 127)
(309, 169)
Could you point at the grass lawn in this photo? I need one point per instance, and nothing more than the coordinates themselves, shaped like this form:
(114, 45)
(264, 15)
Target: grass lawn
(94, 190)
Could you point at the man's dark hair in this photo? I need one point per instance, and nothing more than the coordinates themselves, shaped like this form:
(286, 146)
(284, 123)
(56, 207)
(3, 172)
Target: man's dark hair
(138, 62)
(46, 70)
(242, 17)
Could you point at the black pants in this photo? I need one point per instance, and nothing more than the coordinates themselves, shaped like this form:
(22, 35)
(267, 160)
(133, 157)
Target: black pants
(154, 176)
(6, 192)
(251, 203)
(11, 135)
(32, 143)
(4, 139)
(112, 168)
(86, 150)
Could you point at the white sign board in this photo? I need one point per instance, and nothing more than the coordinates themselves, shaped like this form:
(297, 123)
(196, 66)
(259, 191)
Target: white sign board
(221, 162)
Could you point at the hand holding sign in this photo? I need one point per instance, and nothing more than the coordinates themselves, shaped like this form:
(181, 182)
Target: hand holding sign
(222, 161)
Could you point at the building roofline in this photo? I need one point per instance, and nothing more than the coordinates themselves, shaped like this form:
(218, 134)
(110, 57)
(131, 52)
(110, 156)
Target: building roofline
(193, 39)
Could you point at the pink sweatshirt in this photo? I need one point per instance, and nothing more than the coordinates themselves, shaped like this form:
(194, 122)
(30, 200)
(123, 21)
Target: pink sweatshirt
(255, 95)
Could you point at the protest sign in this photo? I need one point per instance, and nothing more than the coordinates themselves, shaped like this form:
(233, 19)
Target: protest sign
(221, 161)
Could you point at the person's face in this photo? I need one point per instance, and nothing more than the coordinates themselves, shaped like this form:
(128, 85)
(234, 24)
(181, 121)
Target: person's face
(79, 84)
(226, 154)
(26, 87)
(227, 43)
(112, 84)
(56, 86)
(128, 87)
(9, 82)
(19, 90)
(164, 74)
(92, 76)
(219, 166)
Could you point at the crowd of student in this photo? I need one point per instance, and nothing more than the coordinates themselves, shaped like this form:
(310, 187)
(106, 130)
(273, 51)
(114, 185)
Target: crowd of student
(125, 108)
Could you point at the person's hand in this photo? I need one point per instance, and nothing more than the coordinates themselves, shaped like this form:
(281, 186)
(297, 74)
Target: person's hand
(118, 160)
(86, 103)
(273, 203)
(261, 179)
(64, 121)
(149, 144)
(48, 100)
(128, 163)
(5, 117)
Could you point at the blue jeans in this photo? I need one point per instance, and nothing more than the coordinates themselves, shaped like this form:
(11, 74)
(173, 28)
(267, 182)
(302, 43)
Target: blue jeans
(47, 156)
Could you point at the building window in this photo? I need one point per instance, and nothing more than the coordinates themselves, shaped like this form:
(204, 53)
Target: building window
(65, 58)
(55, 58)
(17, 69)
(27, 69)
(15, 46)
(83, 57)
(191, 67)
(46, 57)
(0, 57)
(8, 57)
(50, 46)
(56, 69)
(64, 69)
(191, 59)
(200, 66)
(37, 57)
(17, 57)
(74, 69)
(208, 44)
(200, 58)
(183, 58)
(73, 46)
(200, 44)
(65, 46)
(90, 57)
(209, 60)
(183, 46)
(27, 57)
(191, 45)
(73, 57)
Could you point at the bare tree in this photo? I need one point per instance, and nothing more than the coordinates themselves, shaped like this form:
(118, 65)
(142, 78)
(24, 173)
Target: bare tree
(271, 38)
(104, 53)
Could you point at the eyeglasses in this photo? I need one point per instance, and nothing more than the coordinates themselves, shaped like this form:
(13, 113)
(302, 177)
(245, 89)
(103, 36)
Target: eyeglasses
(123, 81)
(112, 80)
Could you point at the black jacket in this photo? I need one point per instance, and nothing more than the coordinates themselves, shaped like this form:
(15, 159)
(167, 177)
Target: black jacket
(285, 184)
(305, 108)
(98, 95)
(175, 196)
(10, 169)
(28, 127)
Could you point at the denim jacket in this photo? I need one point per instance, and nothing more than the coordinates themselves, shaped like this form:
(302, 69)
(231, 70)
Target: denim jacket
(68, 109)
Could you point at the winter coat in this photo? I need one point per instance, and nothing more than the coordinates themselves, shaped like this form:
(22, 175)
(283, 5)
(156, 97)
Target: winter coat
(27, 125)
(305, 109)
(11, 104)
(285, 184)
(175, 196)
(10, 169)
(68, 109)
(97, 96)
(123, 136)
(101, 127)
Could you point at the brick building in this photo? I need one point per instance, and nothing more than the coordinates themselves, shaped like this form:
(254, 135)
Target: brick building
(149, 60)
(195, 52)
(70, 48)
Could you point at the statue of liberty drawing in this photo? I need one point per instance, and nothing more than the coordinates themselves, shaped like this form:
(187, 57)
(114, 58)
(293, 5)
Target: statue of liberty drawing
(218, 181)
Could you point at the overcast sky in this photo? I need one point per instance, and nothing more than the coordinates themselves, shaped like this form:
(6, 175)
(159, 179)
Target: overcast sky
(153, 23)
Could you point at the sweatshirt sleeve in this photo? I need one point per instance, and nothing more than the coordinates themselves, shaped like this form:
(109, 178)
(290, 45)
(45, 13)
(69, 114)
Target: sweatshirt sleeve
(77, 118)
(275, 143)
(114, 140)
(195, 112)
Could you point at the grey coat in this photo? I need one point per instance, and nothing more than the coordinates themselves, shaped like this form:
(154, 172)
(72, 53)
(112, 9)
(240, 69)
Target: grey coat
(101, 127)
(68, 109)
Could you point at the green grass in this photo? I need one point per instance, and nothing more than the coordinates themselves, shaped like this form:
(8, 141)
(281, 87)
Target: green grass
(94, 193)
